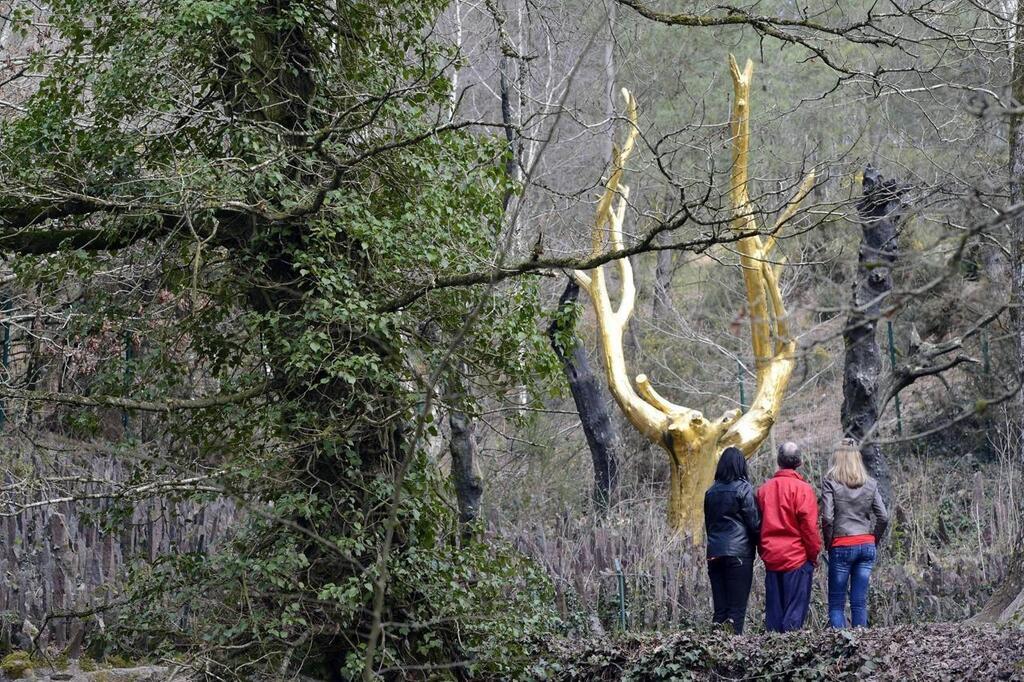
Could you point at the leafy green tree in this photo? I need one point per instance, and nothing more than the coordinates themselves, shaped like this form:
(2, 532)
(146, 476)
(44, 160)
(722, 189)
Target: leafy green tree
(279, 184)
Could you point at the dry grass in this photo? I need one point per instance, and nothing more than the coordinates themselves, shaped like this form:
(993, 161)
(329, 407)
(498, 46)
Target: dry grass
(954, 523)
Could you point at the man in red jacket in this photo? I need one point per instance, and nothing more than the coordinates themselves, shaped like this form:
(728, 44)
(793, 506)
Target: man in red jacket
(789, 542)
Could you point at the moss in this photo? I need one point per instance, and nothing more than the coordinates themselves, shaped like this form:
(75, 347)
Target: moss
(116, 661)
(15, 664)
(62, 662)
(87, 664)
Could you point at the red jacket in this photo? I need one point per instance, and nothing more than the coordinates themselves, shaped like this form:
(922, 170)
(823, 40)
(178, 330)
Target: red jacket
(789, 522)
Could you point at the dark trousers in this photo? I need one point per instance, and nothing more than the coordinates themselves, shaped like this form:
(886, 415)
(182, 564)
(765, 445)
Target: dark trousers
(731, 577)
(787, 598)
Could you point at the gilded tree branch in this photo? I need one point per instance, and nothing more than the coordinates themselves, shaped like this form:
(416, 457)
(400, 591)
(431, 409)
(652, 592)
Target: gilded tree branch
(694, 442)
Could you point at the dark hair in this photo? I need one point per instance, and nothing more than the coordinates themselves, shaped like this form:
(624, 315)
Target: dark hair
(732, 466)
(789, 456)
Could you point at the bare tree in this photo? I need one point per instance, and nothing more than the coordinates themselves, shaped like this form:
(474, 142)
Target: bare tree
(1007, 603)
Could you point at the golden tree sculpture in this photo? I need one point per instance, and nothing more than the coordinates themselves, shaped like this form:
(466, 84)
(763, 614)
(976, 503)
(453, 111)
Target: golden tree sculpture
(694, 442)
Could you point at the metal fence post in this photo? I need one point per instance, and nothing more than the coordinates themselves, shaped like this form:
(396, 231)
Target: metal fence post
(621, 583)
(5, 355)
(984, 352)
(892, 365)
(128, 356)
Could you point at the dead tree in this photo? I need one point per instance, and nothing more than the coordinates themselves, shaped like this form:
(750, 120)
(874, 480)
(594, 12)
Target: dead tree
(880, 212)
(598, 428)
(693, 441)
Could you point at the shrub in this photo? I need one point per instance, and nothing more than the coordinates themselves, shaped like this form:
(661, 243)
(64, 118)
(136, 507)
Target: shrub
(14, 664)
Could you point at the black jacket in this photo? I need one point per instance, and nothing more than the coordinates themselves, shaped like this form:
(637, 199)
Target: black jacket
(731, 519)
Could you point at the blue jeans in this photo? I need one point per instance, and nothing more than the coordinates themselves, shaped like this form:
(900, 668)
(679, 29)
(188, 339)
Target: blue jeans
(849, 567)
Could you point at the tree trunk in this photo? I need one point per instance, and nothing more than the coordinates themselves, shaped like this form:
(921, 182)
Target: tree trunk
(610, 73)
(880, 214)
(598, 427)
(664, 270)
(662, 303)
(469, 486)
(1007, 604)
(507, 120)
(692, 465)
(466, 479)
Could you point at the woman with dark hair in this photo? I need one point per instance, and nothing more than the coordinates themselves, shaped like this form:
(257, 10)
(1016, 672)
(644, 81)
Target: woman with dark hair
(732, 524)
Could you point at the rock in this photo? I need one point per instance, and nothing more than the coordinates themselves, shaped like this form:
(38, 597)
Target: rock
(21, 641)
(29, 629)
(145, 673)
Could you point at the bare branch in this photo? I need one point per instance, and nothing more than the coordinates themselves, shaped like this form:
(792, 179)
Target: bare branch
(169, 405)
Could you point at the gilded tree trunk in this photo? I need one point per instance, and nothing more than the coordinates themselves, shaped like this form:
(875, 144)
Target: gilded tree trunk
(692, 471)
(694, 442)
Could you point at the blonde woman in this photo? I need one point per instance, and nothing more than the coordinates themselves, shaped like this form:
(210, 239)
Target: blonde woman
(853, 521)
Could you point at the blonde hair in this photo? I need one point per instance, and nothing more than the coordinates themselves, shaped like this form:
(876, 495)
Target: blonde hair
(847, 465)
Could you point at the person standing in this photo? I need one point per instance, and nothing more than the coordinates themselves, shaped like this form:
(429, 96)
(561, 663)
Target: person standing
(732, 525)
(789, 542)
(853, 520)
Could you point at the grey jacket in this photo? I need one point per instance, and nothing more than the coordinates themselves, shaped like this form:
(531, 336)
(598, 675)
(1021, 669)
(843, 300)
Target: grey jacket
(852, 511)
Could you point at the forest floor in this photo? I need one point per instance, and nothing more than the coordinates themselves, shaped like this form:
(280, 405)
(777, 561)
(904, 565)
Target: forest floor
(934, 651)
